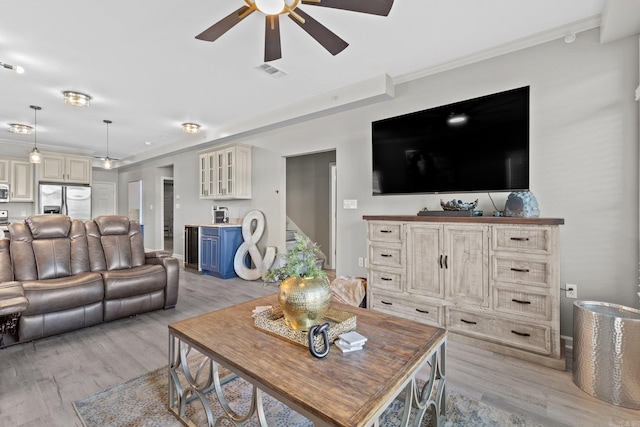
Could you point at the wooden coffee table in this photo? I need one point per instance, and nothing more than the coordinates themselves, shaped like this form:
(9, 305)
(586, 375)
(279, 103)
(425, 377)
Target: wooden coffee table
(342, 389)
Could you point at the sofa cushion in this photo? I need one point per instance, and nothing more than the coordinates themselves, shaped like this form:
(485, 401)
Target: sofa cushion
(51, 295)
(6, 269)
(49, 226)
(114, 243)
(48, 247)
(53, 258)
(133, 281)
(12, 299)
(109, 225)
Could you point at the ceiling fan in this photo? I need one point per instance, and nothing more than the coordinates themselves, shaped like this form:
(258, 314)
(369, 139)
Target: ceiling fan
(274, 8)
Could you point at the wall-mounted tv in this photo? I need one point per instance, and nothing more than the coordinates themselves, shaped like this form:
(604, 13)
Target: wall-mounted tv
(477, 145)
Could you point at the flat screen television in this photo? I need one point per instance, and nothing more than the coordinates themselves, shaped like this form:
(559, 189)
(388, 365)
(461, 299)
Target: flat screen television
(477, 145)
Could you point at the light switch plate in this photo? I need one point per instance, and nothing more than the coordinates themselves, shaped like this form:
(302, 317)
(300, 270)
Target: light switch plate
(350, 204)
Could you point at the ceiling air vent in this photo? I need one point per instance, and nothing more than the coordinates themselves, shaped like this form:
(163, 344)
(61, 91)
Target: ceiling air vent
(271, 70)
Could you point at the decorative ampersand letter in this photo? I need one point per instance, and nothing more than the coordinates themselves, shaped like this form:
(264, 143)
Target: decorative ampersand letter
(249, 246)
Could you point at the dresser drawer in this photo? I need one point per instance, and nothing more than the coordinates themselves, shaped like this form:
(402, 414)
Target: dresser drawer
(386, 280)
(388, 254)
(521, 270)
(531, 337)
(522, 239)
(407, 306)
(522, 303)
(385, 232)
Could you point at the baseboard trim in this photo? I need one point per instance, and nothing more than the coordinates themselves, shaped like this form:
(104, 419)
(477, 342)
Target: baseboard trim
(559, 364)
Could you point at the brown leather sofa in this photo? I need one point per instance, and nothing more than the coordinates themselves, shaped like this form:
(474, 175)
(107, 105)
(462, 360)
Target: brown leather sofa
(76, 274)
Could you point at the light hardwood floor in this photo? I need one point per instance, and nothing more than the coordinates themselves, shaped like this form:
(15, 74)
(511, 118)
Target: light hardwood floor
(40, 380)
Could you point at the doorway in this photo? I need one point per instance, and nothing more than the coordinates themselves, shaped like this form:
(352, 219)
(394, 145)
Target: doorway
(311, 180)
(167, 214)
(103, 199)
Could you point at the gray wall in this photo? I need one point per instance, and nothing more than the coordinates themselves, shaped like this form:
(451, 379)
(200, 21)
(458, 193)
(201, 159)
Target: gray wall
(309, 196)
(584, 161)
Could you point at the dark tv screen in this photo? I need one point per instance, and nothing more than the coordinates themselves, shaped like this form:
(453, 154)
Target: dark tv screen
(487, 149)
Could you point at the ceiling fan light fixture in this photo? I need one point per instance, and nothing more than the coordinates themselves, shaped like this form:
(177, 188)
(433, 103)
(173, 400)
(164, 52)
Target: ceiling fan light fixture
(20, 129)
(270, 7)
(77, 99)
(191, 128)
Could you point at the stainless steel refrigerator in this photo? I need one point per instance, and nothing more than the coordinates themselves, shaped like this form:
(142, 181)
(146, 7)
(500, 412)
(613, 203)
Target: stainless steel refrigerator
(72, 200)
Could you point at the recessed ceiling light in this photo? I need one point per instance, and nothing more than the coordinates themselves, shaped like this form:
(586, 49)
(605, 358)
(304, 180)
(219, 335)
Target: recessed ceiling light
(20, 129)
(147, 143)
(77, 99)
(190, 128)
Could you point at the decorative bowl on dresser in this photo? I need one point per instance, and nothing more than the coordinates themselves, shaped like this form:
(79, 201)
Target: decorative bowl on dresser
(493, 282)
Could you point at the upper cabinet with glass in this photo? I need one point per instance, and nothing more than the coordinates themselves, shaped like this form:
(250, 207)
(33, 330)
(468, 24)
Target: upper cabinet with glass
(225, 172)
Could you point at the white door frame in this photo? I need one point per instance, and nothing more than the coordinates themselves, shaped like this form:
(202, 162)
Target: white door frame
(164, 179)
(334, 215)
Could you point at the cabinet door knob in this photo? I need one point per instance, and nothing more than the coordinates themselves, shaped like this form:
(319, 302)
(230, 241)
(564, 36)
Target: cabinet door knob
(440, 261)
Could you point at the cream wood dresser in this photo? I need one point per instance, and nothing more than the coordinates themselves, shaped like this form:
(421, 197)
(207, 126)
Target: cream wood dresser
(493, 282)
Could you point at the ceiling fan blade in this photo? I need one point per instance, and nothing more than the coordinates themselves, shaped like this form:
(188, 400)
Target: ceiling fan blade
(272, 49)
(328, 39)
(374, 7)
(225, 24)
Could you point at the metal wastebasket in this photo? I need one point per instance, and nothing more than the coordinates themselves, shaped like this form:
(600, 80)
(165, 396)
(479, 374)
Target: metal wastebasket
(606, 352)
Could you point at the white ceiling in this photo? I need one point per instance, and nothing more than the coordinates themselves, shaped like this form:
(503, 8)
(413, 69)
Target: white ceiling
(146, 72)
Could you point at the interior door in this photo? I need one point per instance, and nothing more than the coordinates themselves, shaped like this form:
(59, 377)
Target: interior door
(103, 199)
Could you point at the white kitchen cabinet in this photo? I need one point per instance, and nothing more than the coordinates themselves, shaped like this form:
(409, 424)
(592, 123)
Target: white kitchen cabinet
(65, 168)
(21, 181)
(4, 171)
(225, 172)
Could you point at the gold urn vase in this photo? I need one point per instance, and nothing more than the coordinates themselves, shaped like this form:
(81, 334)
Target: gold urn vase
(304, 301)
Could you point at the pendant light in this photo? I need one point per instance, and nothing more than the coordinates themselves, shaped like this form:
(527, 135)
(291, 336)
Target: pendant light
(108, 163)
(34, 155)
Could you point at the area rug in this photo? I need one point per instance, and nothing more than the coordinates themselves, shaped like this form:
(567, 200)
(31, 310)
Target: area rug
(142, 402)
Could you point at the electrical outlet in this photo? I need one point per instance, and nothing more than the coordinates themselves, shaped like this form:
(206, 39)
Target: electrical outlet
(571, 291)
(360, 262)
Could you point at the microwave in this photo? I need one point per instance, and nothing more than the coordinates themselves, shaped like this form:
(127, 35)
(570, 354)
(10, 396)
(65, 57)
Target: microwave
(4, 193)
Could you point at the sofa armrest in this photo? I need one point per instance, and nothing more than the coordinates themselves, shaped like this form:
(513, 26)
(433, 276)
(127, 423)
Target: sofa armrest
(172, 268)
(12, 299)
(157, 254)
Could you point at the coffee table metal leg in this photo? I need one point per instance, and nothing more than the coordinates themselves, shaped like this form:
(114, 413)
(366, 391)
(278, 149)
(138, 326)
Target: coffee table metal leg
(432, 397)
(198, 386)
